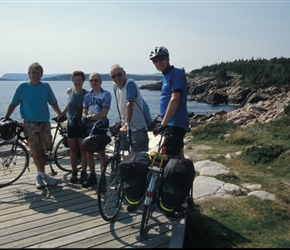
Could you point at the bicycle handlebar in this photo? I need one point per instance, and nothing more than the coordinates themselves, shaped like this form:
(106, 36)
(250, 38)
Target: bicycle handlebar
(61, 119)
(166, 133)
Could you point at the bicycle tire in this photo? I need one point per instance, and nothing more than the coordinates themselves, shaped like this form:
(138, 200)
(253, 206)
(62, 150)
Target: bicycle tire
(147, 213)
(148, 208)
(61, 156)
(13, 162)
(110, 198)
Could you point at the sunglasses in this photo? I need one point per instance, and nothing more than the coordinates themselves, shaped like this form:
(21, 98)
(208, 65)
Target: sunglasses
(94, 80)
(158, 59)
(117, 75)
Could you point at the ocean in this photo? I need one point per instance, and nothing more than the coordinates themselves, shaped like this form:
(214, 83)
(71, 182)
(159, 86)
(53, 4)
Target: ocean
(7, 89)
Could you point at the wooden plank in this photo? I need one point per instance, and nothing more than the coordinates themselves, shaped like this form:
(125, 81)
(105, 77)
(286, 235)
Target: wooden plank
(67, 216)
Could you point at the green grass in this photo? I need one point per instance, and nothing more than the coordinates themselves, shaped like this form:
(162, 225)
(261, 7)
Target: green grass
(243, 222)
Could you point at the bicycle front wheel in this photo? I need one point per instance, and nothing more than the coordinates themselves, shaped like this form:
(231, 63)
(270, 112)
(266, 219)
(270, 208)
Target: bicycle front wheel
(110, 191)
(61, 156)
(14, 160)
(148, 208)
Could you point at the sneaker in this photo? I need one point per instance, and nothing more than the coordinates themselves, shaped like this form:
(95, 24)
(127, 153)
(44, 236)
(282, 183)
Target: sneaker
(50, 181)
(74, 177)
(131, 208)
(39, 182)
(84, 177)
(92, 180)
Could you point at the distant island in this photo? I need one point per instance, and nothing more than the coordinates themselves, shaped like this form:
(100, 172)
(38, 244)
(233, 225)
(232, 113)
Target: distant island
(67, 77)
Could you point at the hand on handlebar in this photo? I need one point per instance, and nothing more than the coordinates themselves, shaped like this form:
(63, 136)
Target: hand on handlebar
(158, 129)
(86, 120)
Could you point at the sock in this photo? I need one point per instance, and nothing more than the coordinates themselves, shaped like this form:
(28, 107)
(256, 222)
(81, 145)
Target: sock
(42, 174)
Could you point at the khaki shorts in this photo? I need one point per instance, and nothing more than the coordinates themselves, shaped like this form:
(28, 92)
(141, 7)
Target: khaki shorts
(38, 135)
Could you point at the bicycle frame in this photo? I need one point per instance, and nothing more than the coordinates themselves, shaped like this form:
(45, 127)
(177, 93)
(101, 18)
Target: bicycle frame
(49, 157)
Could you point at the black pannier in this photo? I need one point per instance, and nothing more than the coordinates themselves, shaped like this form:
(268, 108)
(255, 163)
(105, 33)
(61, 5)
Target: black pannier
(95, 143)
(178, 177)
(7, 128)
(133, 173)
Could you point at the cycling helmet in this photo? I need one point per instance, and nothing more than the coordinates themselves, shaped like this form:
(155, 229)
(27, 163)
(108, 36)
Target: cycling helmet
(95, 143)
(158, 51)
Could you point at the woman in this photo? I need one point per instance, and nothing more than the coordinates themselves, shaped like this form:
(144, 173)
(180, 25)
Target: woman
(76, 130)
(96, 107)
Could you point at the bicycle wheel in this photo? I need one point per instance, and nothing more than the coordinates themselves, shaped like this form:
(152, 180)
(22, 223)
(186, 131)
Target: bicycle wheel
(110, 194)
(14, 160)
(148, 208)
(61, 156)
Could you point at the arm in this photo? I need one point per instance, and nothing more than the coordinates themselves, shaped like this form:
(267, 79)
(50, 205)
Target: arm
(57, 110)
(171, 108)
(102, 114)
(10, 110)
(128, 116)
(68, 91)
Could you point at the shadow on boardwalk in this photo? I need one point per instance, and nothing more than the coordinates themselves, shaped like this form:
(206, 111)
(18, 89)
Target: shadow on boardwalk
(67, 216)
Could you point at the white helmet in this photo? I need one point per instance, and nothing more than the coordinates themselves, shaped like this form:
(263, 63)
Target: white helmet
(158, 51)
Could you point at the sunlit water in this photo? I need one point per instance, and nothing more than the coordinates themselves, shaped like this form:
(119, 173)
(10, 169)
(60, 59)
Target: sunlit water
(7, 89)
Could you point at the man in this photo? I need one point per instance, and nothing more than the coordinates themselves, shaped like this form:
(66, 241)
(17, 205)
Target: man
(34, 97)
(173, 102)
(133, 124)
(96, 106)
(130, 107)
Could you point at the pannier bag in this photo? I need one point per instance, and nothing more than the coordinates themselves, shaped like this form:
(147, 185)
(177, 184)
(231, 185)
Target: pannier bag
(178, 177)
(95, 143)
(7, 128)
(133, 173)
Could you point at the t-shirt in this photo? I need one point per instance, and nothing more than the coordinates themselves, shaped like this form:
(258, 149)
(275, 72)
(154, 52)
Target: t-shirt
(34, 101)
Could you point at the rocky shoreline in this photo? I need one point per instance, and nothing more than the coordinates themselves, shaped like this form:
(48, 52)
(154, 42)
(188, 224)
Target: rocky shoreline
(256, 105)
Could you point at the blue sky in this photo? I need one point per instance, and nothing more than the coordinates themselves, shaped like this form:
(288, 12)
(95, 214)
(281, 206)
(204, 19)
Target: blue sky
(93, 35)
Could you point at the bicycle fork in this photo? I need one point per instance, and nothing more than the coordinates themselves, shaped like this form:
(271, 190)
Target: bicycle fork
(152, 186)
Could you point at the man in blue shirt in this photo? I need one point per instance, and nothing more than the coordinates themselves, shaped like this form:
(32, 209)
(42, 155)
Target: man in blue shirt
(173, 101)
(34, 97)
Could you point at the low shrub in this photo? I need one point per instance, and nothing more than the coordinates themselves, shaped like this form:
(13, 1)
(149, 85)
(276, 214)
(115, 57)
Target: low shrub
(262, 154)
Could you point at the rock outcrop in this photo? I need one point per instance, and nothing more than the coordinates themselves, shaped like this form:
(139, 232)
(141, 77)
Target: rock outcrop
(255, 105)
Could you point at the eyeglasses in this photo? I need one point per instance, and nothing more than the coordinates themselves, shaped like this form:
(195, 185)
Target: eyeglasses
(158, 59)
(118, 74)
(94, 80)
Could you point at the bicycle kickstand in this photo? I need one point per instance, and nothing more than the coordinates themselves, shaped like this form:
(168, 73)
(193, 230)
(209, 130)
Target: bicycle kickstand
(53, 172)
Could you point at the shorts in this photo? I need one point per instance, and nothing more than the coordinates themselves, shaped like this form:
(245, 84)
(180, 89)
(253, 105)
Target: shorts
(77, 132)
(140, 141)
(175, 143)
(38, 135)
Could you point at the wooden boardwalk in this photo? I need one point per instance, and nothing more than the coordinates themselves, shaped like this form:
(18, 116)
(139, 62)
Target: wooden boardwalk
(67, 216)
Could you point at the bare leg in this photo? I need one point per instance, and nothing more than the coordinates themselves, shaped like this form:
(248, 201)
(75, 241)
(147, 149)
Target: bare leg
(181, 154)
(74, 148)
(102, 157)
(39, 159)
(91, 161)
(83, 156)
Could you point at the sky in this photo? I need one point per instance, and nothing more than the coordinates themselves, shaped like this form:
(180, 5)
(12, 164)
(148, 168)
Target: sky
(91, 36)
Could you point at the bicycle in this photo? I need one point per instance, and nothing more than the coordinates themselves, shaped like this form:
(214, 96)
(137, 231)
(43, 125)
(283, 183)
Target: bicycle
(154, 184)
(110, 191)
(15, 155)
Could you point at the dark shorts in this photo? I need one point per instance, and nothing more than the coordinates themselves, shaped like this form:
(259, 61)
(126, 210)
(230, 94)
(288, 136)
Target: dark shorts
(77, 132)
(175, 143)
